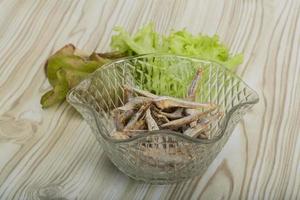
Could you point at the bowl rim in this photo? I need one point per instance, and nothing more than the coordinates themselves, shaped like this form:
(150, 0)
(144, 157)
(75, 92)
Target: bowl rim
(164, 132)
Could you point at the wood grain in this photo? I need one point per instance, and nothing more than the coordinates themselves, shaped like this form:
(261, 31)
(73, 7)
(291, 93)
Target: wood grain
(52, 154)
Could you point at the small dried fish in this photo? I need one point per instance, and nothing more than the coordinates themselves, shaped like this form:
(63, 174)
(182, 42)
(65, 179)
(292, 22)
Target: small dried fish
(193, 124)
(126, 115)
(152, 125)
(168, 102)
(134, 103)
(186, 120)
(131, 124)
(193, 87)
(190, 111)
(121, 117)
(140, 92)
(196, 131)
(139, 125)
(128, 94)
(118, 120)
(192, 94)
(178, 113)
(201, 129)
(161, 119)
(212, 118)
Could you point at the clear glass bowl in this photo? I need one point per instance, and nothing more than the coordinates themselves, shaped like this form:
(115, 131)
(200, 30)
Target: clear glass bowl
(161, 156)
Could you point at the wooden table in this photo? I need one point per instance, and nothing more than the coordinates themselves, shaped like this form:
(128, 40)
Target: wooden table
(52, 154)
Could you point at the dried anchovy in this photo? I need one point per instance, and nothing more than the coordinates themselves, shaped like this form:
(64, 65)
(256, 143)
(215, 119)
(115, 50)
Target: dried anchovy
(134, 103)
(128, 94)
(202, 127)
(152, 125)
(145, 111)
(168, 102)
(140, 92)
(196, 131)
(178, 113)
(136, 117)
(186, 120)
(193, 87)
(160, 118)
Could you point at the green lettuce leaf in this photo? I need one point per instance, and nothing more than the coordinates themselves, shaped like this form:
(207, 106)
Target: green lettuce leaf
(66, 68)
(146, 40)
(162, 77)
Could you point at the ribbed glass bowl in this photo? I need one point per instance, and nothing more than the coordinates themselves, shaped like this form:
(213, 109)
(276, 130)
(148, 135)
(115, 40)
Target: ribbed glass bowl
(161, 156)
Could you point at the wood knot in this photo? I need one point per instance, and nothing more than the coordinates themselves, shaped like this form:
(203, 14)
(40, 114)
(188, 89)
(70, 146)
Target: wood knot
(50, 192)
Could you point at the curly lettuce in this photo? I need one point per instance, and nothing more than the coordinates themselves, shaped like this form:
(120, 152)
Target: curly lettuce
(164, 79)
(146, 40)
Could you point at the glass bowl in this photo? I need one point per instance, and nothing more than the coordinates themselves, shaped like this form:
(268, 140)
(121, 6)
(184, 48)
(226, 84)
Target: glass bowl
(161, 156)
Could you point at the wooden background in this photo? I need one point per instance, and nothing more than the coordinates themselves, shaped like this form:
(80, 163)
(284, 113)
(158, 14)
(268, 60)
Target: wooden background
(52, 154)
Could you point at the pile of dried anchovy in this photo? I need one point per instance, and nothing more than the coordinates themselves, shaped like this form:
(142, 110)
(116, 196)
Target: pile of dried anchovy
(145, 111)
